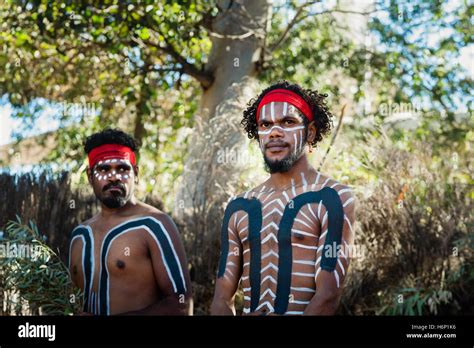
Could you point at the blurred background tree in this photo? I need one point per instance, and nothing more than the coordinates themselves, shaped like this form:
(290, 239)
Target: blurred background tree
(177, 76)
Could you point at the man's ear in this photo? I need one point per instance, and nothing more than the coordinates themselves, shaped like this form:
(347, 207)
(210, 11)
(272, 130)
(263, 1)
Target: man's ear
(312, 130)
(135, 170)
(89, 175)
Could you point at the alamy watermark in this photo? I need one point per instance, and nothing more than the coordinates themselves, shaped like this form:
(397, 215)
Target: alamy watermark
(391, 109)
(19, 251)
(79, 108)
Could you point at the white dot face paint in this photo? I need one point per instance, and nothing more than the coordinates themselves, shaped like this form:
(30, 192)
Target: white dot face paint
(117, 173)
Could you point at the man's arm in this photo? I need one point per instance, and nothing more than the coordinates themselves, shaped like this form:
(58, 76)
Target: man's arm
(79, 248)
(74, 260)
(171, 272)
(227, 283)
(329, 284)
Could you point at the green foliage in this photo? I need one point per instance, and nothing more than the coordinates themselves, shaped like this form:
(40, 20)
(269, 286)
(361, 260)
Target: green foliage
(414, 222)
(33, 274)
(105, 65)
(409, 302)
(128, 63)
(315, 47)
(131, 61)
(420, 42)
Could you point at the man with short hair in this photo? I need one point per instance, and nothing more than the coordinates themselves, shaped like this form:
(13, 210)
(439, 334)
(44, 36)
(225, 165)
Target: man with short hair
(287, 240)
(128, 258)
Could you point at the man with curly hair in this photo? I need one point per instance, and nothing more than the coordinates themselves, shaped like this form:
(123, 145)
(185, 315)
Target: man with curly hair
(128, 258)
(287, 241)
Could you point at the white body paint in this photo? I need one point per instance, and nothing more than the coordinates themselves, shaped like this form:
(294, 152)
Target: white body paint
(309, 219)
(94, 298)
(91, 236)
(157, 243)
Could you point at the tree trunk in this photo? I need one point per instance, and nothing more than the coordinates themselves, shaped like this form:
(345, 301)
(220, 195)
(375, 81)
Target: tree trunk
(237, 36)
(219, 148)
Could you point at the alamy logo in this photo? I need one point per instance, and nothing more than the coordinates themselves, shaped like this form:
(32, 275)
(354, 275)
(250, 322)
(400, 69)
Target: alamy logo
(37, 331)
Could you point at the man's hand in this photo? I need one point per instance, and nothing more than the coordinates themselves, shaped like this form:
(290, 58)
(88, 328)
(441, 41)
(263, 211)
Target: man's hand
(220, 306)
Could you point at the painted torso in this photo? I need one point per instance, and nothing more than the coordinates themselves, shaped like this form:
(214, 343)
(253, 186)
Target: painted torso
(113, 264)
(280, 235)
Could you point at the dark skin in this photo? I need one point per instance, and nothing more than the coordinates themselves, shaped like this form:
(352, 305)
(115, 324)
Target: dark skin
(278, 138)
(139, 282)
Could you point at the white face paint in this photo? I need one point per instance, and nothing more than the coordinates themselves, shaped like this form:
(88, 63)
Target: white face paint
(300, 143)
(263, 112)
(288, 129)
(295, 131)
(114, 174)
(261, 144)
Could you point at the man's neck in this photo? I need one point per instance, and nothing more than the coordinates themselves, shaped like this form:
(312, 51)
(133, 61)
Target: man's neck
(107, 212)
(282, 180)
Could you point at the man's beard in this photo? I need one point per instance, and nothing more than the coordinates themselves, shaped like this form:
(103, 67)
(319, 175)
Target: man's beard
(285, 164)
(116, 200)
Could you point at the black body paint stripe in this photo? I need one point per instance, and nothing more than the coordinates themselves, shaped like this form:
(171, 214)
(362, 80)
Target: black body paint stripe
(86, 262)
(168, 256)
(253, 208)
(331, 200)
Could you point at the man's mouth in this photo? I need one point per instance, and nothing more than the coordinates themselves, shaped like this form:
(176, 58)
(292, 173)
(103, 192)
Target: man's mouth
(115, 189)
(276, 147)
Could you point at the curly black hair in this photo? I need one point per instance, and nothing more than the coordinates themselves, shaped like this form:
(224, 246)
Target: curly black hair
(316, 101)
(110, 136)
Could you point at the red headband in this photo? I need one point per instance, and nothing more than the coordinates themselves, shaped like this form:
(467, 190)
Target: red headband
(109, 151)
(284, 95)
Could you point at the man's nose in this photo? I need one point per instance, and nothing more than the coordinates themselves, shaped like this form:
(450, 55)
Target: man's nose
(113, 177)
(276, 132)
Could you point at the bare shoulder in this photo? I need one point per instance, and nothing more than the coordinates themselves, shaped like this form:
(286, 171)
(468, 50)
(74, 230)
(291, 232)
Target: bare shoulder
(87, 222)
(77, 234)
(343, 190)
(164, 219)
(257, 189)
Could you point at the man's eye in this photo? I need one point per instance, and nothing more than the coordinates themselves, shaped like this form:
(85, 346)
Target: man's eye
(289, 122)
(265, 124)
